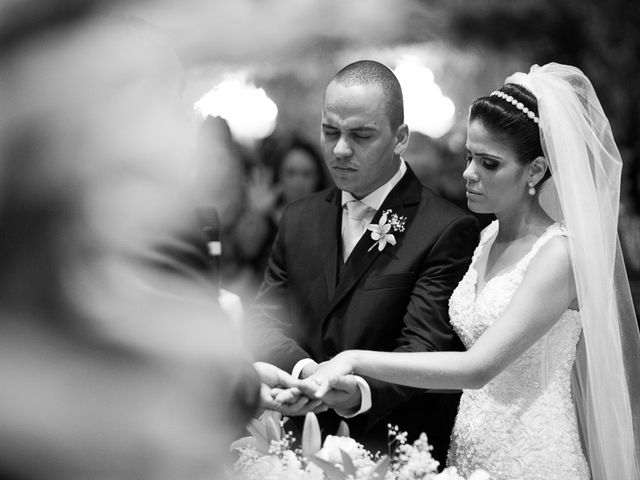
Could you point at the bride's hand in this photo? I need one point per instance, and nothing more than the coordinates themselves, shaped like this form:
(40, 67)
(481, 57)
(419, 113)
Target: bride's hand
(329, 375)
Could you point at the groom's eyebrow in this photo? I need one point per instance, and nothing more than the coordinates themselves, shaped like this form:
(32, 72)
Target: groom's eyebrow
(364, 128)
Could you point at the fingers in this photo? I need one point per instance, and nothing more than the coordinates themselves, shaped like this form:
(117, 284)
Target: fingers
(268, 373)
(266, 398)
(274, 377)
(345, 395)
(298, 404)
(335, 387)
(289, 395)
(328, 388)
(286, 380)
(310, 386)
(345, 383)
(301, 407)
(318, 386)
(291, 401)
(323, 388)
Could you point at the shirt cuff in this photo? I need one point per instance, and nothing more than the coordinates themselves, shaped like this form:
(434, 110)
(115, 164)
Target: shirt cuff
(365, 402)
(298, 367)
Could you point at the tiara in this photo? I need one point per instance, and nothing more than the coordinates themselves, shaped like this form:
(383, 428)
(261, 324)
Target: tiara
(519, 105)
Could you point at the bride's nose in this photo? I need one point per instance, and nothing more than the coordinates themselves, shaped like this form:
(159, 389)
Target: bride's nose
(469, 173)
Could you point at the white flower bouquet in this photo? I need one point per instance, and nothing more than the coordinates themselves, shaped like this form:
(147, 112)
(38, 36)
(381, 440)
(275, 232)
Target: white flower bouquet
(269, 454)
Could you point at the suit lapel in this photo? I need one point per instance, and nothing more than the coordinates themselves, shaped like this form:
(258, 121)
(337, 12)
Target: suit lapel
(407, 192)
(330, 221)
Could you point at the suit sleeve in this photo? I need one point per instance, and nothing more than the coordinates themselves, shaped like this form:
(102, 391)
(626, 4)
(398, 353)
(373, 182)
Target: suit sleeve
(270, 330)
(426, 322)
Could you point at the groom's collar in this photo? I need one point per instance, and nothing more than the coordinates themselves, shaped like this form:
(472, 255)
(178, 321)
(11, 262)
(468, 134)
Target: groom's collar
(374, 199)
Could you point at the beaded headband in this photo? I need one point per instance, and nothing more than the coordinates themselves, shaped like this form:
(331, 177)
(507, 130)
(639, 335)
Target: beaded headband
(519, 105)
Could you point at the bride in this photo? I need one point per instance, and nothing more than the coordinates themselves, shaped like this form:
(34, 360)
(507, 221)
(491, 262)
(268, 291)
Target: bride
(550, 376)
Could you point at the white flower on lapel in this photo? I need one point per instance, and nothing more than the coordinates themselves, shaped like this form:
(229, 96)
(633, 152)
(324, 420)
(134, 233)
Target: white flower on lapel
(389, 222)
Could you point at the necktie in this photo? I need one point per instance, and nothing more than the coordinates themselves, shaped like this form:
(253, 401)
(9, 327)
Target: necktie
(354, 227)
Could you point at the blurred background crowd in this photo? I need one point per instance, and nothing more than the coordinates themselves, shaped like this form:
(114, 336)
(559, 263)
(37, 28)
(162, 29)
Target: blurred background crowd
(122, 121)
(445, 55)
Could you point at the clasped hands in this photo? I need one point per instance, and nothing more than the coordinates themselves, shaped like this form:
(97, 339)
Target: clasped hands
(321, 387)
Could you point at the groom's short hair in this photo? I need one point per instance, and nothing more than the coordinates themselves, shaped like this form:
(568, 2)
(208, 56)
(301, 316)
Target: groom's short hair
(367, 72)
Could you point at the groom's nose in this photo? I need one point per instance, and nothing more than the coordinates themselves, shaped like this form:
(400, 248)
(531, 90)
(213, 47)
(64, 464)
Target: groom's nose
(342, 148)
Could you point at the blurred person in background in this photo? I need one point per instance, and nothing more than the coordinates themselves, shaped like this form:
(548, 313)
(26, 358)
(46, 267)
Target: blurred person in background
(115, 364)
(220, 174)
(293, 170)
(219, 186)
(299, 171)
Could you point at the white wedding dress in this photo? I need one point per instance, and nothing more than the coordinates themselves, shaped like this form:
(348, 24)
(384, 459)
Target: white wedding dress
(522, 424)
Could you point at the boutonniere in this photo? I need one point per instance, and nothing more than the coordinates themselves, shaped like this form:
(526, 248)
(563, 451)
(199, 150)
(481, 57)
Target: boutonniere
(383, 232)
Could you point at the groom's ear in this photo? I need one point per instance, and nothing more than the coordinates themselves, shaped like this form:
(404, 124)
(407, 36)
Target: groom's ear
(402, 139)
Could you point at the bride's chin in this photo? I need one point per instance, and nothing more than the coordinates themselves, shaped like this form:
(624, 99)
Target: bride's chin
(475, 208)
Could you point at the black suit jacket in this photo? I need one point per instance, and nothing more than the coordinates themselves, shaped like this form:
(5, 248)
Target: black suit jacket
(312, 306)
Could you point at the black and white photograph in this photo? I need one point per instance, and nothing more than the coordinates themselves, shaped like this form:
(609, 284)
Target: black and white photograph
(319, 240)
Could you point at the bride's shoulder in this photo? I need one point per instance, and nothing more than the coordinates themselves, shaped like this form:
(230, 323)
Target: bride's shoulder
(552, 255)
(557, 229)
(549, 250)
(553, 243)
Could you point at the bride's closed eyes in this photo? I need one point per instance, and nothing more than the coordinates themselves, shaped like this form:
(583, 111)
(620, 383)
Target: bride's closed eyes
(484, 161)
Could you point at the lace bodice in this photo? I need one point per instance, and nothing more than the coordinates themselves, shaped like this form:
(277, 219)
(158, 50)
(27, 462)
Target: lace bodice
(522, 424)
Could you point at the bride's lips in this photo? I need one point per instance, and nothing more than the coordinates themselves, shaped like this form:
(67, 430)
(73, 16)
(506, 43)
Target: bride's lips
(472, 192)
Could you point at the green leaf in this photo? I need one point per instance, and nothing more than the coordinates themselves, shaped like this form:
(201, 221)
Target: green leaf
(343, 429)
(311, 438)
(347, 463)
(381, 467)
(330, 470)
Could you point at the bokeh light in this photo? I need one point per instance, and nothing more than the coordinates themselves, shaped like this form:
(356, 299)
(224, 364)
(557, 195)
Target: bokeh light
(427, 110)
(250, 113)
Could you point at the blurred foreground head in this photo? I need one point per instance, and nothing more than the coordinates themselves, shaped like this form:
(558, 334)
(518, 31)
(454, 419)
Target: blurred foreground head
(112, 368)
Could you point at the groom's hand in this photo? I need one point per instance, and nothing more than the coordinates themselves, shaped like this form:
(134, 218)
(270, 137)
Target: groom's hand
(309, 369)
(344, 395)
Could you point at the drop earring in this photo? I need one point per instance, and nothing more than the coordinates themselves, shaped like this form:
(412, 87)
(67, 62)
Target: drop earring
(532, 190)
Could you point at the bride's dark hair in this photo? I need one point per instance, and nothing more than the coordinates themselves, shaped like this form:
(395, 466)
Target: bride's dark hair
(511, 124)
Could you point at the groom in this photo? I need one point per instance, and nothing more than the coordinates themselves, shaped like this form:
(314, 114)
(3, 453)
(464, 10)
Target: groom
(329, 286)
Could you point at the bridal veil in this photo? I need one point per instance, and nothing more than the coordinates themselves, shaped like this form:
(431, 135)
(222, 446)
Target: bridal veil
(584, 193)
